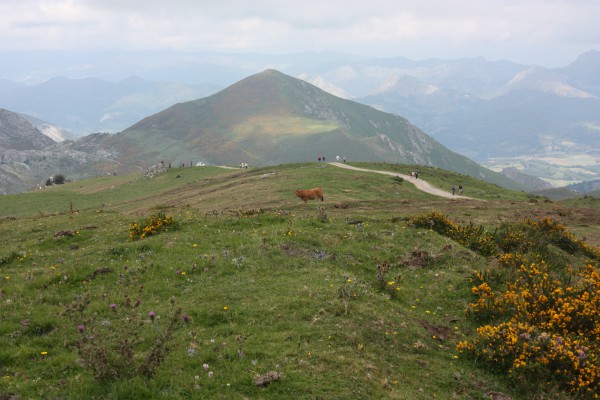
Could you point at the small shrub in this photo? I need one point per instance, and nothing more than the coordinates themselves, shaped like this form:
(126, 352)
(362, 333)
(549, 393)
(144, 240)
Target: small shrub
(322, 214)
(475, 238)
(59, 179)
(541, 328)
(382, 270)
(390, 286)
(557, 234)
(352, 288)
(6, 259)
(155, 224)
(122, 340)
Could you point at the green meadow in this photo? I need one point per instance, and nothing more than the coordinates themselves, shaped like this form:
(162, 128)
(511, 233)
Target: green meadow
(247, 292)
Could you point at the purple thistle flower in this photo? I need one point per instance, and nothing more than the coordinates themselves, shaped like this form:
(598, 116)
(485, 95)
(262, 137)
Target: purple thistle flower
(113, 306)
(80, 328)
(151, 315)
(185, 318)
(559, 340)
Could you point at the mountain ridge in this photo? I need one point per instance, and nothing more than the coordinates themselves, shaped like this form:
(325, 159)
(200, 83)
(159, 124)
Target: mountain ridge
(265, 119)
(450, 91)
(280, 113)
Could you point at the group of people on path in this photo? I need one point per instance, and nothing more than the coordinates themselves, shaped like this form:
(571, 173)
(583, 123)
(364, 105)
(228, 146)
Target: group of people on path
(337, 158)
(460, 189)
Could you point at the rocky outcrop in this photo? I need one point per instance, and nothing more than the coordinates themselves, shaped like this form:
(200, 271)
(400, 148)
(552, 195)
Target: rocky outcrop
(156, 169)
(28, 157)
(16, 133)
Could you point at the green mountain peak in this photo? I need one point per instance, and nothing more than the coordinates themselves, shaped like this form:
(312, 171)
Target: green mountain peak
(271, 118)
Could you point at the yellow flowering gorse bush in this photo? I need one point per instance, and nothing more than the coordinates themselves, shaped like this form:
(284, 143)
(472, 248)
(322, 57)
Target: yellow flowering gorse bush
(539, 322)
(155, 224)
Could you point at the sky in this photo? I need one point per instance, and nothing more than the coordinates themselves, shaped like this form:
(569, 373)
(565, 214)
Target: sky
(549, 33)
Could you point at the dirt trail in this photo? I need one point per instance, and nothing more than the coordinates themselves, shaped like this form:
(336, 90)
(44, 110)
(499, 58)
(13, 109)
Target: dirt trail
(419, 183)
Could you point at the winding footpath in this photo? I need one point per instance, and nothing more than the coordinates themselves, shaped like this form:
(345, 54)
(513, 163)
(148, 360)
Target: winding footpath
(419, 183)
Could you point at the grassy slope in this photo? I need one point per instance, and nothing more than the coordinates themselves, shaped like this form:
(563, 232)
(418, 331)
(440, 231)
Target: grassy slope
(302, 295)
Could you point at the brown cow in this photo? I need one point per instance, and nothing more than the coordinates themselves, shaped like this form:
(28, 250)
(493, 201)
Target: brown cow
(309, 194)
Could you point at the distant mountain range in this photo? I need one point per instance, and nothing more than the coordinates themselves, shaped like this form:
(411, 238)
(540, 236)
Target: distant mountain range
(83, 106)
(265, 119)
(585, 189)
(542, 121)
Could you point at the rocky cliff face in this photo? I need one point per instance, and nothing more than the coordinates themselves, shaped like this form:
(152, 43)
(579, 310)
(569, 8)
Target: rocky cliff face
(28, 157)
(17, 138)
(16, 133)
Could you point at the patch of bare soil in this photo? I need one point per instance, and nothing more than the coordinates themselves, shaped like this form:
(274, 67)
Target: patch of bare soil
(418, 259)
(497, 396)
(293, 250)
(439, 332)
(67, 232)
(266, 379)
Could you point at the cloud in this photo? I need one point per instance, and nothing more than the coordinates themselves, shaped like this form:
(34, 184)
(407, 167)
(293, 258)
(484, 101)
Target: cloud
(377, 26)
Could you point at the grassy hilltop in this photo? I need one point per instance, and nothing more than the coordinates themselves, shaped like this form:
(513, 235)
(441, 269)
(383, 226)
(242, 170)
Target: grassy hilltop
(239, 290)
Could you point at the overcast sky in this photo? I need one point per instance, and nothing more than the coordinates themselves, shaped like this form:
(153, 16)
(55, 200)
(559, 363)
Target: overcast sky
(549, 33)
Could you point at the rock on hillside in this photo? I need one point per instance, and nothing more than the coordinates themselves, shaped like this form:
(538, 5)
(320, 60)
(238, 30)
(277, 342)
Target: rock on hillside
(52, 131)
